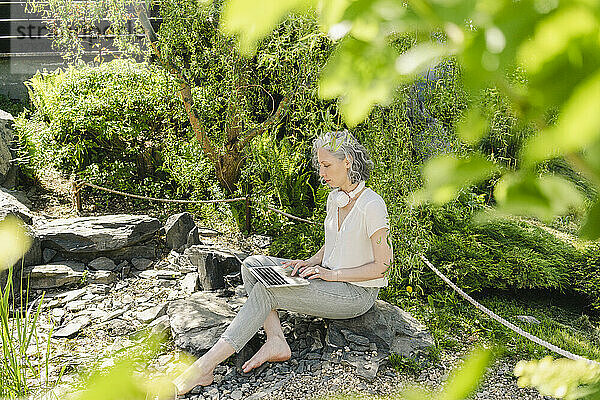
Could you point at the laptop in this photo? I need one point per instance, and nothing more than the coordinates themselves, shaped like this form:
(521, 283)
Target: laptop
(277, 276)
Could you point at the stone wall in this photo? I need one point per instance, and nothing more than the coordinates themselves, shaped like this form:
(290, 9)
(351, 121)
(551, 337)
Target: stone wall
(8, 179)
(8, 170)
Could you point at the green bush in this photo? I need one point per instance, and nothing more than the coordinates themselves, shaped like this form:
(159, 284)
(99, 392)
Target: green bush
(12, 106)
(506, 254)
(107, 123)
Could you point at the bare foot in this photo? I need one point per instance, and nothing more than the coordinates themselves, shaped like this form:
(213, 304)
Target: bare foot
(274, 349)
(195, 375)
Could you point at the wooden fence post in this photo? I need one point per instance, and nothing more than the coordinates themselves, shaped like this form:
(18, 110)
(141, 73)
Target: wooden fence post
(248, 216)
(76, 190)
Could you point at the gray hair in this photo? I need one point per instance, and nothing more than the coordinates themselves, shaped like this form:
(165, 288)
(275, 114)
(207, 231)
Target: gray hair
(342, 144)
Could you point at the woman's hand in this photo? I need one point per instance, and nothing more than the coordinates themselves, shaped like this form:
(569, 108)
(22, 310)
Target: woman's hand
(297, 265)
(319, 272)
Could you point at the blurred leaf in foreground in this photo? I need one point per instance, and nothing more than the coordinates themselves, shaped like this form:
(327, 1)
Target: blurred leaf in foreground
(118, 383)
(461, 384)
(445, 175)
(543, 197)
(361, 74)
(14, 241)
(561, 54)
(472, 126)
(464, 381)
(590, 229)
(369, 19)
(561, 378)
(251, 22)
(127, 379)
(578, 125)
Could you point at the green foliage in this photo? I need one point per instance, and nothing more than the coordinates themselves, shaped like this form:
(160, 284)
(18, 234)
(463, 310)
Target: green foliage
(18, 333)
(561, 378)
(498, 254)
(586, 277)
(542, 197)
(71, 23)
(524, 50)
(447, 175)
(194, 178)
(107, 123)
(12, 106)
(342, 77)
(404, 364)
(227, 86)
(18, 320)
(281, 177)
(508, 254)
(251, 23)
(415, 364)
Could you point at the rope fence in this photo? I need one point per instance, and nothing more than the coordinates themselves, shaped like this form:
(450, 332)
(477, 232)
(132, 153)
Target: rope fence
(504, 322)
(78, 184)
(291, 216)
(135, 196)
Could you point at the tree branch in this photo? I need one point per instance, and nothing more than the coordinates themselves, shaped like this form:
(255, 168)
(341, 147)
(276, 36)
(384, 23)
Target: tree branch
(185, 90)
(272, 120)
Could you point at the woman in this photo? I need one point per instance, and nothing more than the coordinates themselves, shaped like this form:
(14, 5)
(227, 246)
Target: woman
(345, 274)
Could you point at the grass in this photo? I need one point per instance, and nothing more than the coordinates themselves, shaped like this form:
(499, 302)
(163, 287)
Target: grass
(414, 365)
(405, 364)
(25, 359)
(20, 370)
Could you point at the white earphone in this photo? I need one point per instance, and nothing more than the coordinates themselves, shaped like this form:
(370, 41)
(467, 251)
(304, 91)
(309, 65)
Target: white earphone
(342, 199)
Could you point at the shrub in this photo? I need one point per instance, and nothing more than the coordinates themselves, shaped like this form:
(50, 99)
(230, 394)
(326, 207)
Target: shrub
(506, 254)
(107, 123)
(12, 106)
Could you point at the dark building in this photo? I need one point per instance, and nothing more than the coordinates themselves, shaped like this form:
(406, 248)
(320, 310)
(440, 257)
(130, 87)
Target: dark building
(26, 48)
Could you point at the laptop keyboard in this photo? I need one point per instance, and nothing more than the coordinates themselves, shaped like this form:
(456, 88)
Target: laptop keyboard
(270, 276)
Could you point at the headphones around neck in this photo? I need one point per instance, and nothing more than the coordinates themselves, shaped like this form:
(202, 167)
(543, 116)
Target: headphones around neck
(342, 198)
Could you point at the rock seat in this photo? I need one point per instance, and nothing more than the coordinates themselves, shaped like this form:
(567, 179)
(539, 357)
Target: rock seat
(364, 342)
(383, 330)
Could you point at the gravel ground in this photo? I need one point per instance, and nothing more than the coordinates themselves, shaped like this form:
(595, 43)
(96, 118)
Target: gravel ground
(304, 376)
(282, 382)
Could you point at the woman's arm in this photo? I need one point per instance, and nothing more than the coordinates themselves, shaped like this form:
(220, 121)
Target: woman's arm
(317, 259)
(382, 254)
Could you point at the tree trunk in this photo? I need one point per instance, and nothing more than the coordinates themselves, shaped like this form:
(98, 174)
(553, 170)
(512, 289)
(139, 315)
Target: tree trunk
(228, 168)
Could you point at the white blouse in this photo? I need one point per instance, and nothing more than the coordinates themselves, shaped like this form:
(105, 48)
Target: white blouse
(351, 245)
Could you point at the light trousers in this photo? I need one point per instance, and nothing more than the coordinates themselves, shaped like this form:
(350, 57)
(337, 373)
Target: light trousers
(334, 300)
